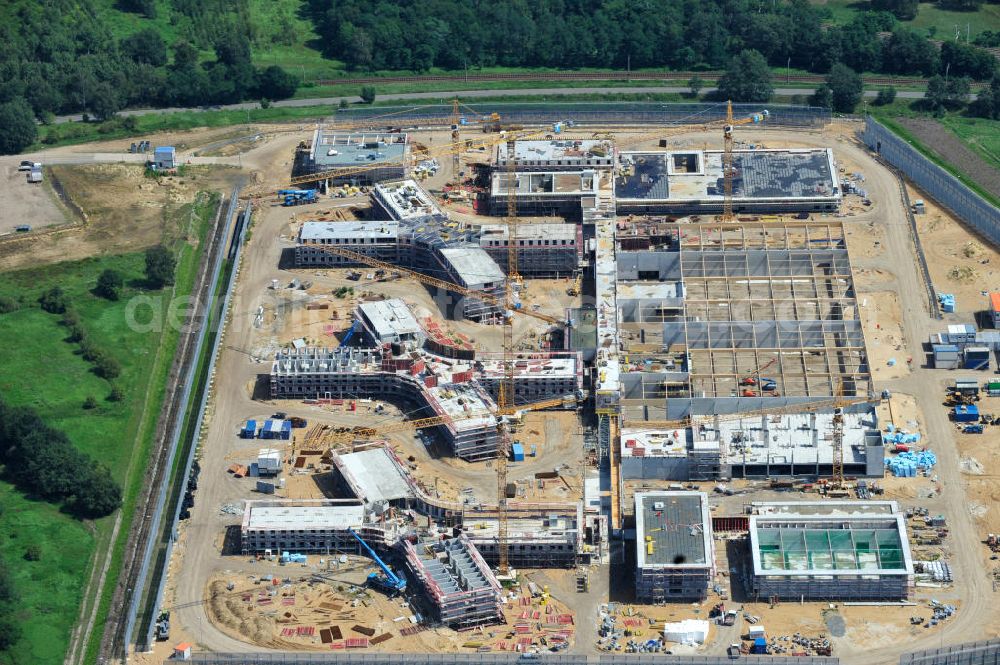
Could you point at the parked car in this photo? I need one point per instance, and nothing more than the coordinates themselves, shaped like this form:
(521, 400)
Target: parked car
(28, 165)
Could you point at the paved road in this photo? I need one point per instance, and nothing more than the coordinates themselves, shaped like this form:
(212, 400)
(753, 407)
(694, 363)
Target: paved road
(527, 92)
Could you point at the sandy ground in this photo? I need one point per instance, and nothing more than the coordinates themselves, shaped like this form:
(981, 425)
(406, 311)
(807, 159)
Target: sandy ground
(960, 262)
(34, 204)
(122, 211)
(330, 593)
(887, 351)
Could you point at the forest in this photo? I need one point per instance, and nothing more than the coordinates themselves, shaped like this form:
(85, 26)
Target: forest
(678, 34)
(60, 57)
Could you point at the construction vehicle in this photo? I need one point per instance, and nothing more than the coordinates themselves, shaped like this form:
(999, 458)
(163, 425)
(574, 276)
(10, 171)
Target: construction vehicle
(388, 581)
(577, 285)
(294, 197)
(755, 378)
(162, 626)
(350, 333)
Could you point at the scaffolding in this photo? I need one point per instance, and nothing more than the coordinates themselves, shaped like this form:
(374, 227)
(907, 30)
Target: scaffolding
(461, 588)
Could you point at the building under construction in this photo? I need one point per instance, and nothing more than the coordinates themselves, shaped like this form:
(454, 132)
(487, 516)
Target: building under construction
(690, 182)
(851, 551)
(437, 386)
(322, 525)
(460, 587)
(674, 547)
(415, 234)
(319, 373)
(732, 319)
(753, 446)
(538, 535)
(334, 158)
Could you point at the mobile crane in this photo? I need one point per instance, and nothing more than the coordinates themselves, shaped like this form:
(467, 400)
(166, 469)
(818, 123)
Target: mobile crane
(388, 582)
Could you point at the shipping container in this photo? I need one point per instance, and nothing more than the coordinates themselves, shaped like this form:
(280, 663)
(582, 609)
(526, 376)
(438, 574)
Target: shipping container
(249, 430)
(517, 452)
(966, 413)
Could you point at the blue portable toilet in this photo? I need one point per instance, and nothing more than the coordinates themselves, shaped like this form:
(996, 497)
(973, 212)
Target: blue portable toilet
(517, 452)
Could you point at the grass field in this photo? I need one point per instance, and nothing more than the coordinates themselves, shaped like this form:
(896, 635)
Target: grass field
(929, 17)
(982, 136)
(119, 433)
(937, 159)
(50, 588)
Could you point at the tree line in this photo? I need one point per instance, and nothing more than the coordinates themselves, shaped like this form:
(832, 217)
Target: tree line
(679, 34)
(59, 57)
(40, 460)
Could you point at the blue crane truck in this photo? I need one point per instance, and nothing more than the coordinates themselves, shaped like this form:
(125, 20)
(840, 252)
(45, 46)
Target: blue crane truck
(387, 581)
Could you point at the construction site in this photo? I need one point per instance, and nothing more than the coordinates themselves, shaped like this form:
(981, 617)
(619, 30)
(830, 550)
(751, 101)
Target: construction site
(565, 386)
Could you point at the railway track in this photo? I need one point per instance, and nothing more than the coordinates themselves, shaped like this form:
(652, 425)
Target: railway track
(113, 647)
(604, 76)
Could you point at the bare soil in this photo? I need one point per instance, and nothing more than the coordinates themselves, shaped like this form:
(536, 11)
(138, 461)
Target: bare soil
(960, 261)
(949, 147)
(122, 210)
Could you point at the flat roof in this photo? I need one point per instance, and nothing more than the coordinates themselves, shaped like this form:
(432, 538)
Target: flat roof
(555, 528)
(678, 527)
(542, 366)
(637, 442)
(829, 508)
(797, 545)
(406, 200)
(352, 230)
(460, 399)
(782, 439)
(651, 290)
(333, 149)
(473, 265)
(530, 231)
(568, 150)
(546, 182)
(340, 517)
(375, 473)
(761, 174)
(390, 316)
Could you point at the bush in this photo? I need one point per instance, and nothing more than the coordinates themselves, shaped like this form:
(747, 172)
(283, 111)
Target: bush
(90, 402)
(885, 96)
(368, 94)
(160, 265)
(116, 395)
(8, 305)
(33, 553)
(107, 367)
(110, 284)
(89, 350)
(54, 301)
(70, 318)
(76, 335)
